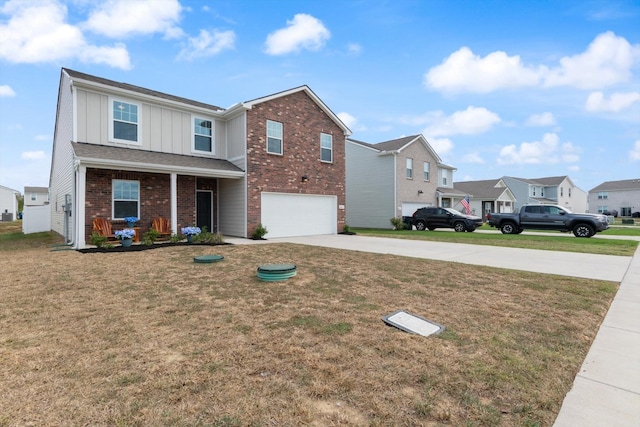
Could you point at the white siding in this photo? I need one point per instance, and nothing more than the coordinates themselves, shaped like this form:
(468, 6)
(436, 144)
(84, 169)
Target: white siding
(9, 202)
(61, 181)
(232, 207)
(370, 196)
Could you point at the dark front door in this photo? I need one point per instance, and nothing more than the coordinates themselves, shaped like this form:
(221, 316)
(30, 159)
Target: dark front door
(204, 210)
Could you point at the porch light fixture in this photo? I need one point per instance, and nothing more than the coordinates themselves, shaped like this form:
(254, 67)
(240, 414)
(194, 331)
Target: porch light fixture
(304, 178)
(420, 191)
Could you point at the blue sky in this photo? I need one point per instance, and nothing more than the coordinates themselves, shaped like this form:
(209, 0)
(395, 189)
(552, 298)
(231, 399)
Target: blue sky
(519, 88)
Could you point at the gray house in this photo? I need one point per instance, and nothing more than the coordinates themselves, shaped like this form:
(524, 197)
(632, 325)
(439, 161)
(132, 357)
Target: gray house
(556, 190)
(394, 178)
(621, 196)
(486, 196)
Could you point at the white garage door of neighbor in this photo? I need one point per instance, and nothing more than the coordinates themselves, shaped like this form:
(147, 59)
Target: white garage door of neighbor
(408, 208)
(287, 215)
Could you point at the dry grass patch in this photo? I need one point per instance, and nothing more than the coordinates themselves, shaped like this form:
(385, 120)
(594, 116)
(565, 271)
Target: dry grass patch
(151, 338)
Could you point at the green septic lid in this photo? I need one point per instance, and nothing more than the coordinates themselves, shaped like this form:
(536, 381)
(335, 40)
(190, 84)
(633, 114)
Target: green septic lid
(208, 259)
(277, 268)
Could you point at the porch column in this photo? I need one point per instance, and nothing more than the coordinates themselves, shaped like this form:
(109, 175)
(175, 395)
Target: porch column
(81, 199)
(174, 203)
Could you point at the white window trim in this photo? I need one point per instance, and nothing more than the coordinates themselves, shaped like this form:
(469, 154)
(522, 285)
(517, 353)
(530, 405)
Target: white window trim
(281, 153)
(409, 168)
(193, 135)
(111, 120)
(113, 199)
(324, 148)
(428, 171)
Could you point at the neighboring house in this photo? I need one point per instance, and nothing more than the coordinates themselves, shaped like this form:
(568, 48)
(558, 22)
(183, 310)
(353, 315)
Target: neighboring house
(8, 203)
(622, 196)
(36, 196)
(486, 196)
(557, 190)
(121, 150)
(395, 178)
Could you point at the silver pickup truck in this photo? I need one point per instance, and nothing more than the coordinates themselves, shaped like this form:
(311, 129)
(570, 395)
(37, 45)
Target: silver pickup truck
(548, 217)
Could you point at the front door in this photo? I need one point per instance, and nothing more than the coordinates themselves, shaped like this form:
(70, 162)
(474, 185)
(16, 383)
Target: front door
(204, 209)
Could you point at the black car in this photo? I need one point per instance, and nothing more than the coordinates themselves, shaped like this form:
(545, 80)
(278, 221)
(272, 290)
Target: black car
(432, 218)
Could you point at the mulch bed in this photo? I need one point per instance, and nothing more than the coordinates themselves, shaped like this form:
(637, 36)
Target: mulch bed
(138, 248)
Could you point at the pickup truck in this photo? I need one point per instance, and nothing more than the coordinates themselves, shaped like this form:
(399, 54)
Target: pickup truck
(548, 217)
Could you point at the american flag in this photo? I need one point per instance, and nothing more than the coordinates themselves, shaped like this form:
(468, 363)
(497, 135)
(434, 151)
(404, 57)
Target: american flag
(466, 205)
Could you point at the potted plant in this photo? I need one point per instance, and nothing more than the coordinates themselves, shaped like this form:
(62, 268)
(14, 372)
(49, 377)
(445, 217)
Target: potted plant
(125, 236)
(190, 232)
(131, 221)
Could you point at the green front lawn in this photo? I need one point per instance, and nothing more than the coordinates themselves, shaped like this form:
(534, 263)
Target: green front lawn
(552, 241)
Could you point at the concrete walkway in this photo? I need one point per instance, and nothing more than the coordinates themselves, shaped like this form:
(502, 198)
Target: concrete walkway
(606, 391)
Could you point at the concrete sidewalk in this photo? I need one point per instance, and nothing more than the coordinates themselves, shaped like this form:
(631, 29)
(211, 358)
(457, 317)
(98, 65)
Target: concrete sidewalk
(606, 391)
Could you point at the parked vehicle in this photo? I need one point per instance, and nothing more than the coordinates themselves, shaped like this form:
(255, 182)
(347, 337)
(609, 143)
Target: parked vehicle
(432, 218)
(548, 217)
(613, 213)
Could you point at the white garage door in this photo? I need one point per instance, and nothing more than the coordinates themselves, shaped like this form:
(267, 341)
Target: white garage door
(298, 214)
(408, 208)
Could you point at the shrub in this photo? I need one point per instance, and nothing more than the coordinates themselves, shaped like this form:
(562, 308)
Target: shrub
(398, 223)
(175, 238)
(259, 232)
(98, 240)
(150, 236)
(346, 228)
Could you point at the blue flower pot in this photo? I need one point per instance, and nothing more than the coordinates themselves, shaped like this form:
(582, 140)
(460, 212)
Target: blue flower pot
(126, 242)
(189, 238)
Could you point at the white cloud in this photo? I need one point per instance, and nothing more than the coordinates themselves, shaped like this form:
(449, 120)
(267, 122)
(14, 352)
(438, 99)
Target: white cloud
(542, 119)
(634, 153)
(37, 32)
(303, 32)
(33, 155)
(125, 18)
(473, 120)
(617, 102)
(208, 43)
(547, 151)
(442, 146)
(607, 61)
(351, 122)
(463, 71)
(473, 157)
(354, 49)
(6, 91)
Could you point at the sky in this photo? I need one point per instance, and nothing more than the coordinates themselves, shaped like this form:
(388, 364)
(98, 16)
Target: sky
(519, 88)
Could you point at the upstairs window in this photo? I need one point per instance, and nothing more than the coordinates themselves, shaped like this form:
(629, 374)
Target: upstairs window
(603, 195)
(125, 119)
(326, 147)
(409, 168)
(202, 135)
(561, 191)
(426, 171)
(274, 137)
(126, 199)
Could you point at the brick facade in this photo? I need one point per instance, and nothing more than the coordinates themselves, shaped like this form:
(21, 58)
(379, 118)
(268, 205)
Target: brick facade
(303, 121)
(155, 197)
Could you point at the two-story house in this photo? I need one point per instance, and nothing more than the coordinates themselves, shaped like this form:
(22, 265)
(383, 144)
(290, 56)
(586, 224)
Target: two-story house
(557, 190)
(121, 150)
(622, 197)
(394, 178)
(8, 203)
(36, 196)
(487, 196)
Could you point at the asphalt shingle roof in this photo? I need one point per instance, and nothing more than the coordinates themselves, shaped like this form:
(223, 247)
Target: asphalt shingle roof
(627, 184)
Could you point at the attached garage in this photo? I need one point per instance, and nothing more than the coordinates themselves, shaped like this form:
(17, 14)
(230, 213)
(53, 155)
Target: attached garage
(409, 208)
(285, 214)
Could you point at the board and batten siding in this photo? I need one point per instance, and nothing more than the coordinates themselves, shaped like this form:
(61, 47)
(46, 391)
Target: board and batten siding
(370, 192)
(62, 175)
(232, 193)
(161, 129)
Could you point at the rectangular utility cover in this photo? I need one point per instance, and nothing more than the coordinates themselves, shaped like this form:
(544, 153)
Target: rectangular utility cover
(412, 323)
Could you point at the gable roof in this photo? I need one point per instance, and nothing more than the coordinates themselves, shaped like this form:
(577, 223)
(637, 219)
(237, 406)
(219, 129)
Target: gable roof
(397, 145)
(311, 94)
(9, 189)
(36, 190)
(78, 76)
(627, 184)
(552, 181)
(150, 161)
(485, 189)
